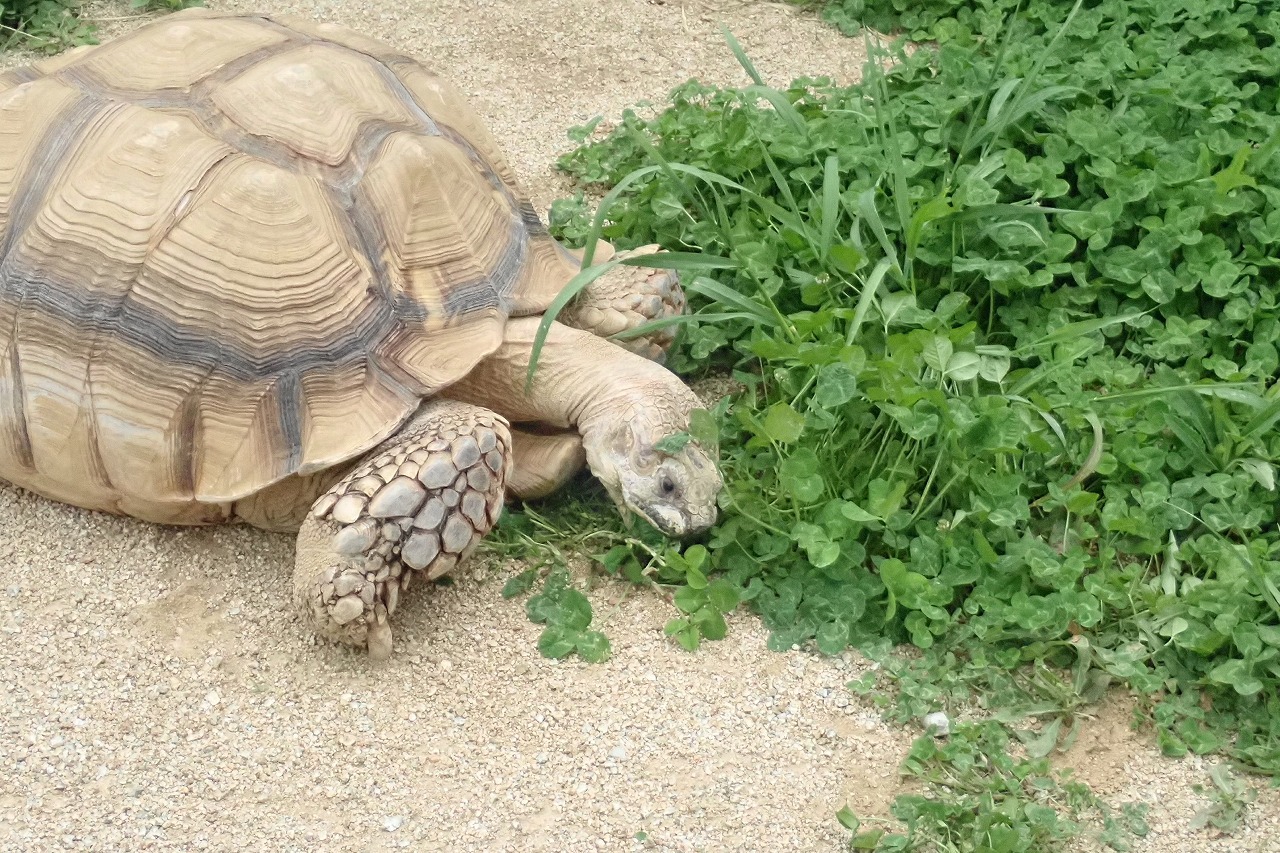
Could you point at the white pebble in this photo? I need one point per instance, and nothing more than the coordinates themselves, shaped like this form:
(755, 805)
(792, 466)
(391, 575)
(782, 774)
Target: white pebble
(937, 724)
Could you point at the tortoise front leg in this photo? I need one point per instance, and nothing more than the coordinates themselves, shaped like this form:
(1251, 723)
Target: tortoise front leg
(543, 462)
(627, 297)
(418, 504)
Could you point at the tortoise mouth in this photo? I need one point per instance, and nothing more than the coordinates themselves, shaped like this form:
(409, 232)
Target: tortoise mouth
(675, 522)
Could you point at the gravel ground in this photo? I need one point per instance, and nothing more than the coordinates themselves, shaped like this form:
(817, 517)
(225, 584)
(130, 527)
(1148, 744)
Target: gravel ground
(157, 694)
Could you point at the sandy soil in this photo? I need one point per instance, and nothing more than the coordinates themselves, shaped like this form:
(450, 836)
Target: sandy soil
(158, 695)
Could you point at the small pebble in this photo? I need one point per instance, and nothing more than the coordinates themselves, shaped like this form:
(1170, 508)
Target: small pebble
(937, 724)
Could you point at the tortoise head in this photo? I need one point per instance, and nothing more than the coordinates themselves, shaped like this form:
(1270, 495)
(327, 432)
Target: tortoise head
(674, 490)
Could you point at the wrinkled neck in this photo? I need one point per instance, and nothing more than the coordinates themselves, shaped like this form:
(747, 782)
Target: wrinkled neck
(582, 381)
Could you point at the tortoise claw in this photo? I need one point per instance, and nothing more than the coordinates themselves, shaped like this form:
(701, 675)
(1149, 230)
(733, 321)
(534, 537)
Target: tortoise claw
(379, 640)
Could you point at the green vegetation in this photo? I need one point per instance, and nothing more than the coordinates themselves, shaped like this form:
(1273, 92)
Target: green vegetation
(641, 556)
(43, 25)
(50, 26)
(993, 801)
(1005, 317)
(1229, 797)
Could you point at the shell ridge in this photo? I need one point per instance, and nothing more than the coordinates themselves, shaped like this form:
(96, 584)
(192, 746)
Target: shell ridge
(271, 418)
(391, 375)
(97, 461)
(429, 124)
(17, 76)
(59, 139)
(185, 451)
(500, 282)
(397, 381)
(181, 209)
(87, 80)
(18, 396)
(292, 405)
(172, 342)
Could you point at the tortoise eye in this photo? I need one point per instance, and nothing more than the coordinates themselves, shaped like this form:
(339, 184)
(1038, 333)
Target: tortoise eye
(668, 485)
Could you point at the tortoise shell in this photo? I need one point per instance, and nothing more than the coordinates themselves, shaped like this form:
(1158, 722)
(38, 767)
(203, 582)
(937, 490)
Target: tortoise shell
(239, 248)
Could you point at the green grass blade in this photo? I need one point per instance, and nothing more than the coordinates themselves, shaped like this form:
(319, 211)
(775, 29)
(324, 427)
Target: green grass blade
(1223, 390)
(741, 55)
(681, 261)
(1082, 328)
(1263, 421)
(1198, 416)
(869, 214)
(584, 278)
(938, 207)
(830, 204)
(589, 272)
(782, 106)
(998, 99)
(797, 219)
(869, 290)
(717, 292)
(993, 211)
(682, 320)
(711, 178)
(997, 123)
(1190, 439)
(610, 198)
(566, 295)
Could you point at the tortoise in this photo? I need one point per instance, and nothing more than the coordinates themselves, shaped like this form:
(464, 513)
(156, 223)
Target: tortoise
(257, 269)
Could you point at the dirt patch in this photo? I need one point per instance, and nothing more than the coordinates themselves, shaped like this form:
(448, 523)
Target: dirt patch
(1105, 746)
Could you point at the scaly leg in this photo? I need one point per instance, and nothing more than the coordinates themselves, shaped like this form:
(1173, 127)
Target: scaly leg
(418, 504)
(544, 462)
(627, 297)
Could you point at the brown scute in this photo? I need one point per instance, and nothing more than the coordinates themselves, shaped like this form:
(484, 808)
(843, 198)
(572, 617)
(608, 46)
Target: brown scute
(115, 193)
(291, 283)
(434, 96)
(359, 398)
(176, 52)
(246, 432)
(544, 273)
(29, 116)
(15, 443)
(54, 396)
(434, 360)
(213, 277)
(454, 229)
(340, 35)
(17, 76)
(315, 99)
(440, 99)
(55, 63)
(147, 414)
